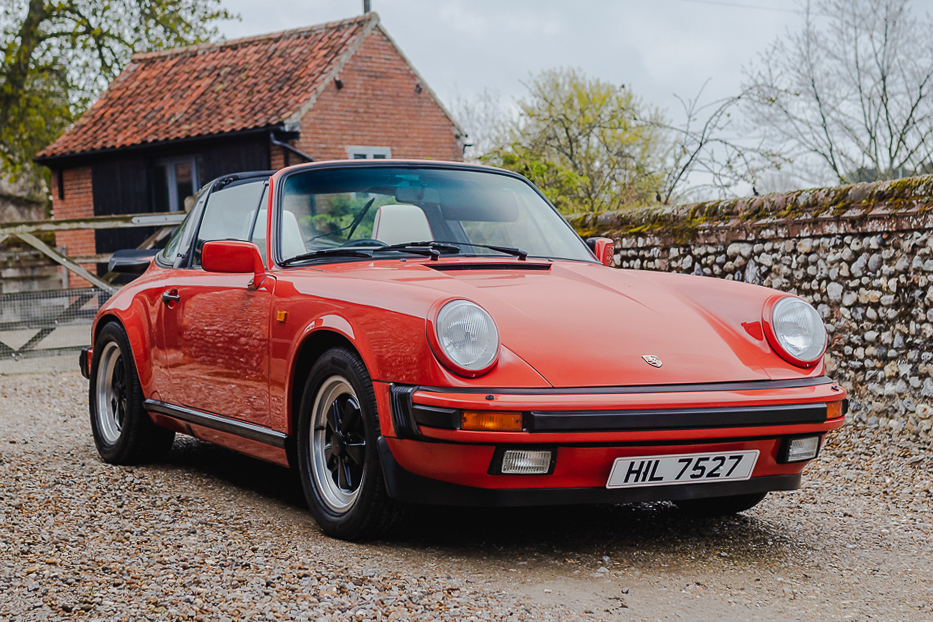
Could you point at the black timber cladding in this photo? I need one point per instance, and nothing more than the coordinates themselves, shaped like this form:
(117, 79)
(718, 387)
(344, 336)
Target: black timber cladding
(222, 157)
(123, 182)
(121, 186)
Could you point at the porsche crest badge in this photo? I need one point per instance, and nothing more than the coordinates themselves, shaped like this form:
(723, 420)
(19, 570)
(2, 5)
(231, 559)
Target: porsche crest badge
(651, 360)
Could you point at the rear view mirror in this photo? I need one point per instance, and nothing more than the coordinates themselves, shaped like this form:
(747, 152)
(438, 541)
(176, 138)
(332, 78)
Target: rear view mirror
(409, 194)
(604, 249)
(465, 202)
(232, 256)
(473, 204)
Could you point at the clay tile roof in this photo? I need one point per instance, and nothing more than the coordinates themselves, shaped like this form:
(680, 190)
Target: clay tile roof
(214, 88)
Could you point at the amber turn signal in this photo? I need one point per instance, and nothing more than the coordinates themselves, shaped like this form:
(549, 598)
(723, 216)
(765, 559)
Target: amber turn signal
(834, 410)
(494, 421)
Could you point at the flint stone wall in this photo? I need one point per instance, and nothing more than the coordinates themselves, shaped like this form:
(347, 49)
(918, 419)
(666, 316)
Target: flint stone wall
(862, 255)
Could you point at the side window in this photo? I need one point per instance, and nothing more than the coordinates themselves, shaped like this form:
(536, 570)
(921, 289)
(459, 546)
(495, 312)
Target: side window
(230, 214)
(257, 233)
(180, 241)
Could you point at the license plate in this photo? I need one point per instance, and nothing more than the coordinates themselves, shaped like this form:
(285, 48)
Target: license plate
(682, 469)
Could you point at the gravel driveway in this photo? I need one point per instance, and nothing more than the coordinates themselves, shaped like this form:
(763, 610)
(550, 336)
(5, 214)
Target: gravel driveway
(211, 535)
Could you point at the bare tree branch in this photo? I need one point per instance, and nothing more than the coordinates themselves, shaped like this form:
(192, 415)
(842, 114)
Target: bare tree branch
(851, 96)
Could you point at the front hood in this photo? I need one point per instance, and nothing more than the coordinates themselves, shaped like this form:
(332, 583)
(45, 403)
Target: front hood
(582, 325)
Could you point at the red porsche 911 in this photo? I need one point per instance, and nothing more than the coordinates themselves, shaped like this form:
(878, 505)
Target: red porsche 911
(436, 333)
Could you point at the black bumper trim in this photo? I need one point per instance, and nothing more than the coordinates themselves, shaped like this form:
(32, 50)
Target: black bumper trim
(408, 416)
(405, 486)
(675, 419)
(402, 418)
(216, 422)
(83, 363)
(751, 385)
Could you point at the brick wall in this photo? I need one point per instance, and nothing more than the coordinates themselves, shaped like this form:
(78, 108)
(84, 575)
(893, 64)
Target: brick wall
(378, 106)
(78, 203)
(277, 158)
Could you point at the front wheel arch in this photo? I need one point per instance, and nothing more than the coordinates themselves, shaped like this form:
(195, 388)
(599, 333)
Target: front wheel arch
(309, 351)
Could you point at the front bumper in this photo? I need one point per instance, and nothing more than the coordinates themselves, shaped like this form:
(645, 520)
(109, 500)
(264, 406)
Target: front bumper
(409, 487)
(84, 361)
(426, 459)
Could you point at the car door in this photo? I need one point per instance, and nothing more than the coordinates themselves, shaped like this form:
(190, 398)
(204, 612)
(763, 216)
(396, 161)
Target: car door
(173, 255)
(215, 326)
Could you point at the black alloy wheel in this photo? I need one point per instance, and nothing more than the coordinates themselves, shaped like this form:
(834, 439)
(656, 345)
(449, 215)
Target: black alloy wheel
(122, 429)
(338, 458)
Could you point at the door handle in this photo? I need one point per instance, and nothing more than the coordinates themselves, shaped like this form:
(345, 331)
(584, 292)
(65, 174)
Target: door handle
(168, 297)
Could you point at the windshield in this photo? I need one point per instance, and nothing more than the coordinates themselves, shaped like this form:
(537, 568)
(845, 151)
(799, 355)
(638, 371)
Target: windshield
(361, 210)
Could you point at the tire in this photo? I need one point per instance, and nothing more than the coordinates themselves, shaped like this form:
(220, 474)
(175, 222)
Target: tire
(123, 431)
(721, 506)
(338, 456)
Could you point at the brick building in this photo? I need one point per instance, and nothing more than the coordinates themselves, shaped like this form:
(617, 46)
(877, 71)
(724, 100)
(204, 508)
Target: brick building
(175, 119)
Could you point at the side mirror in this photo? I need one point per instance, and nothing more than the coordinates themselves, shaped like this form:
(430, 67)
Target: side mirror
(604, 249)
(231, 256)
(131, 261)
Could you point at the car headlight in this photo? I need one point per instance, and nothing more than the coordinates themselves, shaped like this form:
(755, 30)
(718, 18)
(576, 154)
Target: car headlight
(466, 338)
(795, 330)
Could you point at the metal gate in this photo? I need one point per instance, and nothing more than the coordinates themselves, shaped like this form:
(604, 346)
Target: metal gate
(47, 323)
(43, 323)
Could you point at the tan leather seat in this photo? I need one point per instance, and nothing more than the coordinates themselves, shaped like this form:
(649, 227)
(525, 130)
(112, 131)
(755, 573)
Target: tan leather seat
(292, 242)
(398, 224)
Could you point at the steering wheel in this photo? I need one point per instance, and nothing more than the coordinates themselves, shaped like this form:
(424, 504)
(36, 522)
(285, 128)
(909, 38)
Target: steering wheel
(363, 242)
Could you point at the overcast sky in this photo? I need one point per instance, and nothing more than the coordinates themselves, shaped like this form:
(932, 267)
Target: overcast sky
(656, 47)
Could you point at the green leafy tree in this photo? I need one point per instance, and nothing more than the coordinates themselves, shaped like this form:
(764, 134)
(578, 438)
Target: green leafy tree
(588, 144)
(59, 54)
(335, 216)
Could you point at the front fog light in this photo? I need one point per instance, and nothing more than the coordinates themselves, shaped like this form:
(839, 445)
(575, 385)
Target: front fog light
(802, 448)
(526, 462)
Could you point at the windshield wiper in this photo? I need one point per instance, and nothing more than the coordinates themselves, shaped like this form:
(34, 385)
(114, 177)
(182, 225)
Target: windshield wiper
(329, 252)
(428, 248)
(508, 250)
(431, 248)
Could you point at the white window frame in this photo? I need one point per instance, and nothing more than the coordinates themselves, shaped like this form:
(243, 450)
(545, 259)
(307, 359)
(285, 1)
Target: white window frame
(368, 153)
(172, 182)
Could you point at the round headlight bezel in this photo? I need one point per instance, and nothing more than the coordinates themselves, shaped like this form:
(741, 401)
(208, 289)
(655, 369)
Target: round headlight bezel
(435, 340)
(774, 304)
